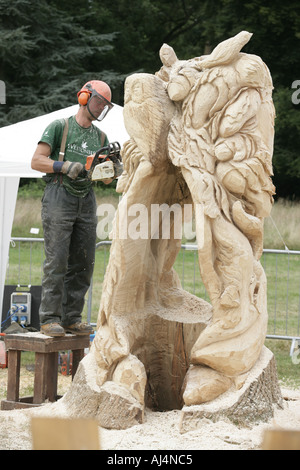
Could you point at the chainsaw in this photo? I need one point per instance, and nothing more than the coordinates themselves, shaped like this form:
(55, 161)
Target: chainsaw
(106, 163)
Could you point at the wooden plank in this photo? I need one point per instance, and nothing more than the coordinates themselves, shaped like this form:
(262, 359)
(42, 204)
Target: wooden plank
(51, 378)
(64, 434)
(70, 343)
(16, 405)
(77, 356)
(41, 343)
(279, 439)
(40, 378)
(13, 375)
(27, 342)
(24, 402)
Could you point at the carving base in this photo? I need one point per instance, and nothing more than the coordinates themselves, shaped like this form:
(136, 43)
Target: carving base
(111, 405)
(117, 404)
(253, 402)
(161, 340)
(115, 408)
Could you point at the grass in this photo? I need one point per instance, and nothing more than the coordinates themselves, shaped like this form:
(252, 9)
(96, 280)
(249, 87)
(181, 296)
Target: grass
(288, 371)
(27, 378)
(283, 277)
(282, 270)
(282, 228)
(28, 208)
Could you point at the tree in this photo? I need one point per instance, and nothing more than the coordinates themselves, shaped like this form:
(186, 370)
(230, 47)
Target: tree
(287, 145)
(45, 57)
(48, 49)
(276, 39)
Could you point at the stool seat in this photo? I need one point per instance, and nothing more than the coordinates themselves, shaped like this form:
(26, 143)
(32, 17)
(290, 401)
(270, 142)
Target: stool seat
(46, 350)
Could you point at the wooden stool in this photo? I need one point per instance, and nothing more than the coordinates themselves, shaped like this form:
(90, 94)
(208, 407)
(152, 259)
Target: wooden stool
(46, 350)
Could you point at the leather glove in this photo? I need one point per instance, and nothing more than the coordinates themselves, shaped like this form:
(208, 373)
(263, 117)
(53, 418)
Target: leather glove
(72, 169)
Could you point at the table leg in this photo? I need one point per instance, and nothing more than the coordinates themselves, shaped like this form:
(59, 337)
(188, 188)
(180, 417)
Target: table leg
(52, 376)
(13, 379)
(40, 378)
(78, 355)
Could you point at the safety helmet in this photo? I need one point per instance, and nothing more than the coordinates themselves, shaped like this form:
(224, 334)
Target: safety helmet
(96, 95)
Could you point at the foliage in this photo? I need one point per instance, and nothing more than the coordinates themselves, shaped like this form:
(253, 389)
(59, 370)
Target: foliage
(48, 49)
(31, 188)
(34, 188)
(45, 56)
(286, 159)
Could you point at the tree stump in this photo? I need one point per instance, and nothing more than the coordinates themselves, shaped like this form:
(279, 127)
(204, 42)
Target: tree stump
(250, 399)
(164, 348)
(151, 375)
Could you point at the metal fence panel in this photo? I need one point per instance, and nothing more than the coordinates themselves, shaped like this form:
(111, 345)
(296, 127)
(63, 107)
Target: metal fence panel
(282, 268)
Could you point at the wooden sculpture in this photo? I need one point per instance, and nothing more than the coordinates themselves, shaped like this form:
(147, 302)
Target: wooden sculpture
(201, 133)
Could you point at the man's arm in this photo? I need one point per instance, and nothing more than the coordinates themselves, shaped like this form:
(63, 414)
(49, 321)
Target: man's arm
(40, 160)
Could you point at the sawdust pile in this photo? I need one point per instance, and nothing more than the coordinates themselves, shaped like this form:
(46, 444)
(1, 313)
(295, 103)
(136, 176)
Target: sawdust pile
(160, 430)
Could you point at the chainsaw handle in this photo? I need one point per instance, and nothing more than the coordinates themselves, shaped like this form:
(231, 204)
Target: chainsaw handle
(113, 154)
(112, 148)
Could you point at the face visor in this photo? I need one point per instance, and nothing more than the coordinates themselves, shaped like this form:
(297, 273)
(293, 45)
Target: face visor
(98, 106)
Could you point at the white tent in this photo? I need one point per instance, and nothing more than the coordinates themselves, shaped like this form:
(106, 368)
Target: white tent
(17, 145)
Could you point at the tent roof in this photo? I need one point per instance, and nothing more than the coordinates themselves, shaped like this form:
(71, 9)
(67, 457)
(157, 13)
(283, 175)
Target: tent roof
(18, 141)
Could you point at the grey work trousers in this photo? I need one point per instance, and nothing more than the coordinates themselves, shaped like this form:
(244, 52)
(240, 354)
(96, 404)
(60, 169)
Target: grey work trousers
(69, 224)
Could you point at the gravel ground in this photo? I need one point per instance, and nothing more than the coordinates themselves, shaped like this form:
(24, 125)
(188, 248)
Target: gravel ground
(160, 431)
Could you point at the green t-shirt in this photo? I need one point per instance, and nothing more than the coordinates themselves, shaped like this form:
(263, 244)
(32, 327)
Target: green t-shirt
(81, 142)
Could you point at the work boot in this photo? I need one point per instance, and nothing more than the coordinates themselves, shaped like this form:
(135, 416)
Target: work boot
(79, 329)
(52, 329)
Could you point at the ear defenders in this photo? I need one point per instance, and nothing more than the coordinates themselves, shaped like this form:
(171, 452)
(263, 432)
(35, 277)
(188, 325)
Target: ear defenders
(83, 97)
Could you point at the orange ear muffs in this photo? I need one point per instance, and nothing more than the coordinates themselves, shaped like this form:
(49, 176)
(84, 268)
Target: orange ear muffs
(83, 98)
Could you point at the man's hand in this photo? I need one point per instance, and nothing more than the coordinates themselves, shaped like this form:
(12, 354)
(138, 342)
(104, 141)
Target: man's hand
(72, 169)
(107, 180)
